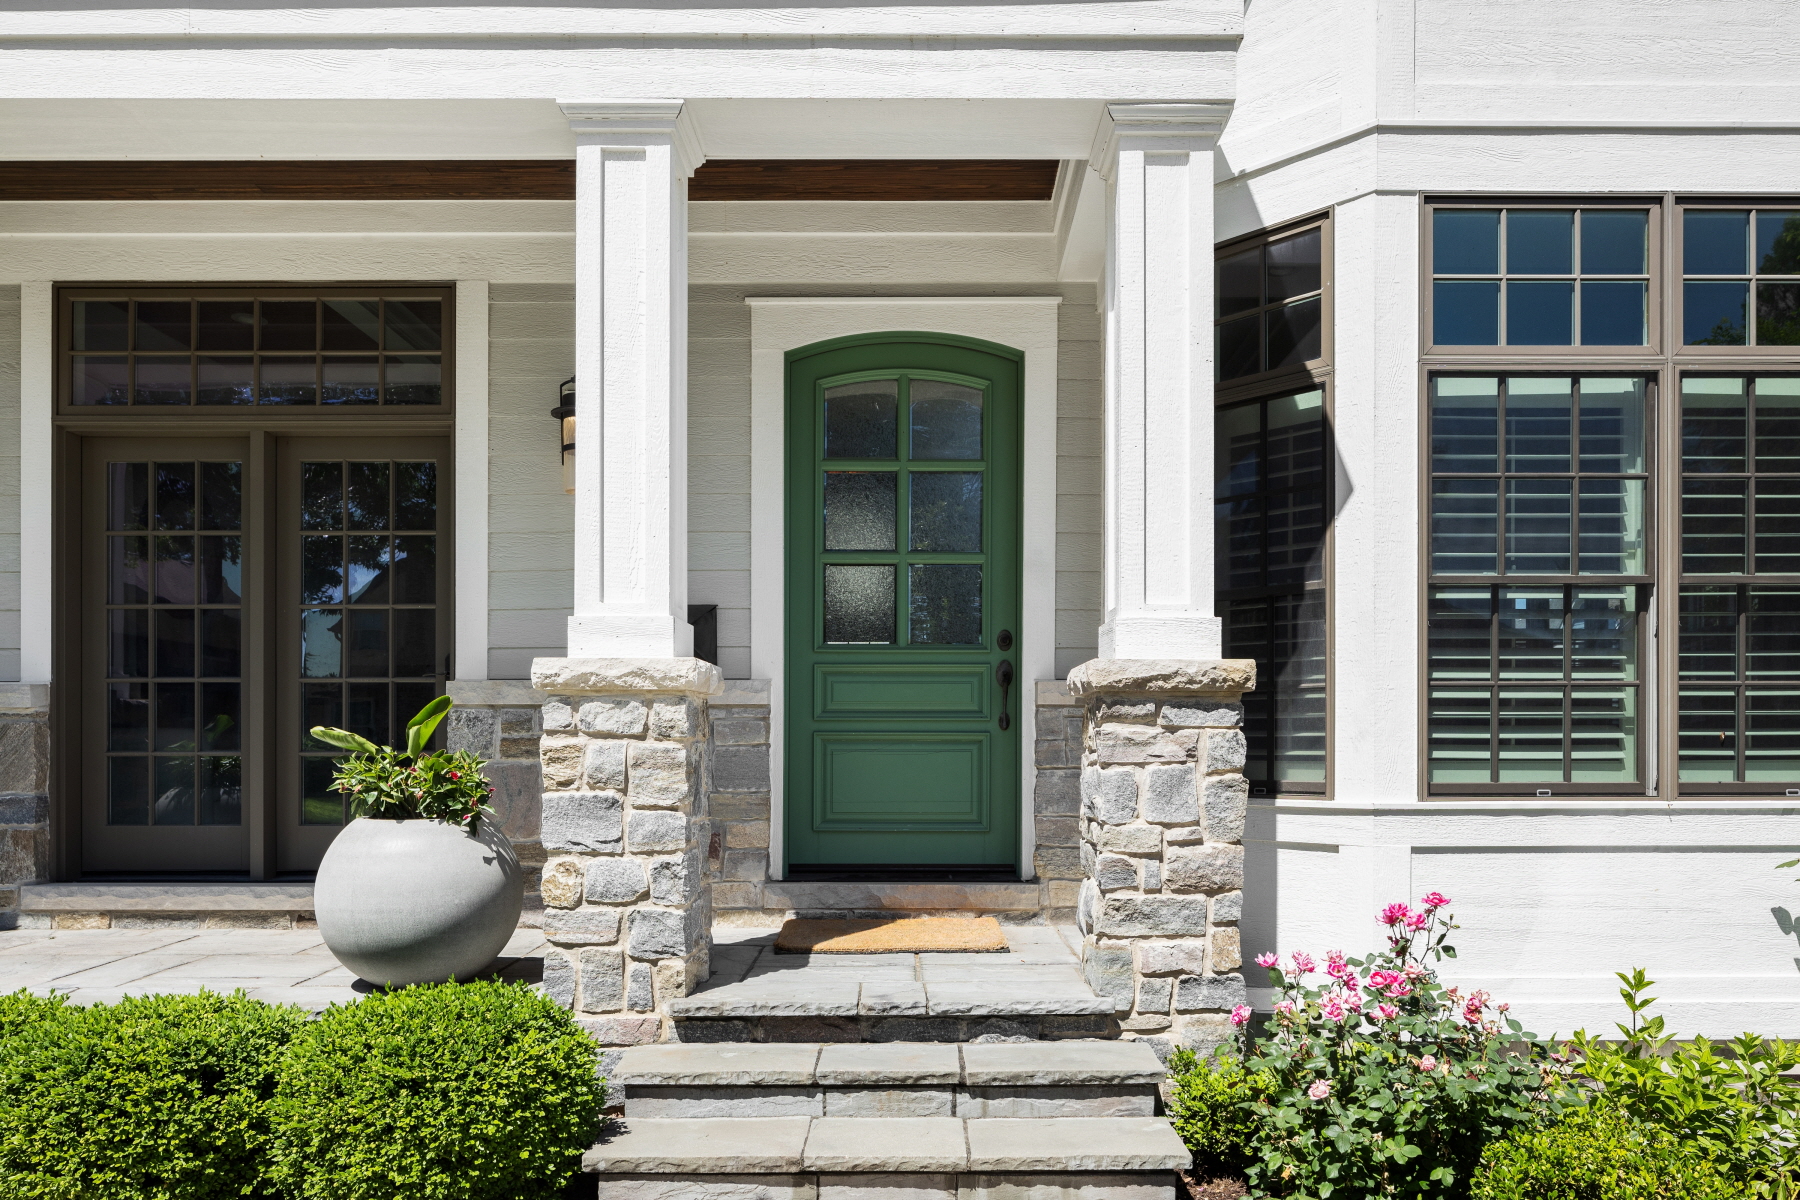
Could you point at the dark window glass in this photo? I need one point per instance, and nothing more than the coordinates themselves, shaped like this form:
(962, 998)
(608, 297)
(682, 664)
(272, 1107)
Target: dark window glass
(226, 324)
(164, 381)
(226, 380)
(289, 381)
(1740, 488)
(1613, 242)
(414, 325)
(946, 420)
(1271, 474)
(1294, 265)
(1465, 241)
(945, 512)
(1240, 281)
(99, 380)
(1612, 313)
(351, 325)
(414, 379)
(1465, 313)
(164, 325)
(289, 325)
(1739, 706)
(1240, 347)
(1539, 313)
(100, 325)
(1540, 242)
(1715, 243)
(1293, 334)
(859, 604)
(1713, 314)
(1778, 314)
(944, 604)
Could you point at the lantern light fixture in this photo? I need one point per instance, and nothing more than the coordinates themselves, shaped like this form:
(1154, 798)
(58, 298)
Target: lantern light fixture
(564, 412)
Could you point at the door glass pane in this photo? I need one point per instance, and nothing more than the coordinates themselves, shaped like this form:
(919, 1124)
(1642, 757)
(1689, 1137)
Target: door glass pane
(862, 419)
(128, 716)
(363, 647)
(946, 511)
(175, 495)
(859, 510)
(221, 790)
(946, 420)
(128, 570)
(859, 604)
(945, 606)
(174, 788)
(174, 570)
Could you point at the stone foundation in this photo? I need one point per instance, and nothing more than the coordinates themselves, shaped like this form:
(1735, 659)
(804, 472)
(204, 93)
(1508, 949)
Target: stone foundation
(1056, 801)
(24, 792)
(737, 743)
(501, 720)
(626, 879)
(1163, 799)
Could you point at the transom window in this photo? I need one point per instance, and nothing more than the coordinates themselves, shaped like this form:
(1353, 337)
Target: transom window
(1740, 277)
(219, 348)
(1271, 305)
(1540, 276)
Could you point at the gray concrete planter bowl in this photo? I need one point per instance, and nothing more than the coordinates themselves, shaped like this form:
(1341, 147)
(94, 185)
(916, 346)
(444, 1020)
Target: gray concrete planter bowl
(418, 901)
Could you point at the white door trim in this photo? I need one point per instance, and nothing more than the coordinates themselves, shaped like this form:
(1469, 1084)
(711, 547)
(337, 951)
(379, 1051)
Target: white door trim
(782, 323)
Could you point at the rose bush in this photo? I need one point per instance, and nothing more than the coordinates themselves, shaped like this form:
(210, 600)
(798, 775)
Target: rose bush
(1377, 1080)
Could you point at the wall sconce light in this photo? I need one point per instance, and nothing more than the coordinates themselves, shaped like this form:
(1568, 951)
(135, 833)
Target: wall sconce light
(564, 412)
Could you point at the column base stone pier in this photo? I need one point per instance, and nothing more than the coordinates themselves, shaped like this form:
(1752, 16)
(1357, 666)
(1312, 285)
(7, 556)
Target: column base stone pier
(627, 873)
(1163, 798)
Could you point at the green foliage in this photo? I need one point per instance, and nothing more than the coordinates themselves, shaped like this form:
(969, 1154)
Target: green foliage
(476, 1091)
(1734, 1108)
(1209, 1107)
(153, 1098)
(401, 784)
(1381, 1081)
(1598, 1154)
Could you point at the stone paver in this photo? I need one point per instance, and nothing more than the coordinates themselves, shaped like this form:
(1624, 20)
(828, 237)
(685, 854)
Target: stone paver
(1076, 1144)
(1066, 1063)
(886, 1144)
(101, 966)
(720, 1064)
(867, 1063)
(717, 1145)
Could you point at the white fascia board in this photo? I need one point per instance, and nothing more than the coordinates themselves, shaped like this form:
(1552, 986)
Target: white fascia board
(1128, 19)
(386, 127)
(801, 67)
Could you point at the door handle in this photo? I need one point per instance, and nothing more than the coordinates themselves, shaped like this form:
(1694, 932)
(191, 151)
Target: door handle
(1003, 675)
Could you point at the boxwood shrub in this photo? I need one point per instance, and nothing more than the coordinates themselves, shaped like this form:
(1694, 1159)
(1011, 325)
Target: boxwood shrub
(158, 1097)
(470, 1091)
(1598, 1153)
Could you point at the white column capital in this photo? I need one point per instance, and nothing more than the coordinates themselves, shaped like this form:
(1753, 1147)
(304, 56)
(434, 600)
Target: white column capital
(1175, 126)
(637, 123)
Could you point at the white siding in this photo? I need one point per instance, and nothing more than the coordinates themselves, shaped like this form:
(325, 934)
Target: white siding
(9, 482)
(531, 346)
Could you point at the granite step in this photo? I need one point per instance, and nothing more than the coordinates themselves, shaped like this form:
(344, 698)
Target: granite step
(1023, 1081)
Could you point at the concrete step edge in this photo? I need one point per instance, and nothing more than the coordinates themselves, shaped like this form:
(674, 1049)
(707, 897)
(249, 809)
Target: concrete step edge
(1070, 1063)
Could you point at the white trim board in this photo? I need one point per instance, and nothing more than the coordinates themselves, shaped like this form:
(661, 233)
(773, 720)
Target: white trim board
(471, 500)
(782, 323)
(37, 410)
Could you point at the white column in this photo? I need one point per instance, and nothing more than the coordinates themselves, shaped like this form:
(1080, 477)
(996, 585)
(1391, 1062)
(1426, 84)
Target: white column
(1157, 160)
(632, 163)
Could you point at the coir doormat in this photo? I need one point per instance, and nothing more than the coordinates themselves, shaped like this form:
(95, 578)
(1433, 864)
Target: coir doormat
(910, 935)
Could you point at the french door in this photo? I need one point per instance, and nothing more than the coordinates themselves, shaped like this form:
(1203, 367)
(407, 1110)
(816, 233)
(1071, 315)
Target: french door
(234, 592)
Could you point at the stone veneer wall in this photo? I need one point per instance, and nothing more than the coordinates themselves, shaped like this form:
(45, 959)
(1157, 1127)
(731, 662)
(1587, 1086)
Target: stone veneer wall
(1163, 799)
(501, 720)
(628, 877)
(737, 734)
(24, 792)
(1056, 801)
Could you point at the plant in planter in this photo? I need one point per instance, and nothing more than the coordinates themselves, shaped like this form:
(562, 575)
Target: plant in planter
(417, 888)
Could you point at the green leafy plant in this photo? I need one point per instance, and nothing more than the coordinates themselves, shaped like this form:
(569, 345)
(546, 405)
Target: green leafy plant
(477, 1091)
(1208, 1105)
(152, 1098)
(1598, 1154)
(1734, 1107)
(1382, 1082)
(381, 781)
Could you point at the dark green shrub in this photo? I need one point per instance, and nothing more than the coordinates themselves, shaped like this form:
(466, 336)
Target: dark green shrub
(1598, 1154)
(153, 1098)
(1207, 1100)
(476, 1091)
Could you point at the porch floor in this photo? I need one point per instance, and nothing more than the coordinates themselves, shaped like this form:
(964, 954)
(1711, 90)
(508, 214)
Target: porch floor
(282, 966)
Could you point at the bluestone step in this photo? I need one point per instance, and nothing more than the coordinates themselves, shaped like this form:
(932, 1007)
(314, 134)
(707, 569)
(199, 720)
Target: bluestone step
(893, 1145)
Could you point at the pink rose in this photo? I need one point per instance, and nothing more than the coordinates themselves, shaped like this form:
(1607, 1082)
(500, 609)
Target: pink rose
(1304, 963)
(1416, 921)
(1394, 914)
(1434, 900)
(1428, 1064)
(1284, 1007)
(1319, 1090)
(1240, 1014)
(1332, 1007)
(1381, 979)
(1386, 1012)
(1268, 960)
(1399, 991)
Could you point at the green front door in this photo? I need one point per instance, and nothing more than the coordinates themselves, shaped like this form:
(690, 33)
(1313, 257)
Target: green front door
(903, 602)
